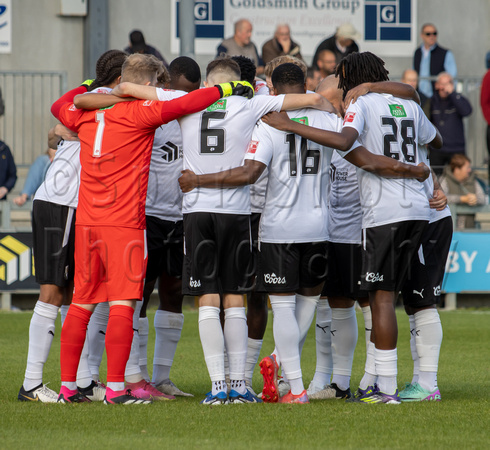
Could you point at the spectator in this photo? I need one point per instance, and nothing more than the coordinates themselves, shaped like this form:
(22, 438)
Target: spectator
(35, 177)
(241, 45)
(326, 63)
(137, 44)
(447, 109)
(8, 171)
(313, 78)
(430, 59)
(411, 77)
(341, 43)
(485, 105)
(462, 188)
(281, 44)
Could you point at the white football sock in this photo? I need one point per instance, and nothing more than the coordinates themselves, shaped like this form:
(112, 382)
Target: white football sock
(287, 337)
(144, 330)
(370, 377)
(115, 386)
(63, 313)
(253, 352)
(213, 345)
(368, 323)
(386, 368)
(323, 337)
(235, 334)
(305, 312)
(96, 337)
(132, 374)
(344, 340)
(41, 334)
(168, 329)
(413, 350)
(428, 339)
(84, 376)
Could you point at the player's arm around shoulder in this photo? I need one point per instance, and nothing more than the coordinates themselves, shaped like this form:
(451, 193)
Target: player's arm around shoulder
(249, 173)
(300, 101)
(394, 88)
(340, 140)
(386, 167)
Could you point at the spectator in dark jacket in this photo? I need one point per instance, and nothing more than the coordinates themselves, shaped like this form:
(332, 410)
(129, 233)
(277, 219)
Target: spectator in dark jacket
(281, 44)
(137, 44)
(8, 171)
(447, 109)
(341, 43)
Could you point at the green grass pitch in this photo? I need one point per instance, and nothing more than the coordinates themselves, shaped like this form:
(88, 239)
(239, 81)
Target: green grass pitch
(461, 420)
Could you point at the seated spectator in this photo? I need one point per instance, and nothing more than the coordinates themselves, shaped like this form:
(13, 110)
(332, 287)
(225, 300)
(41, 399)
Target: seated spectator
(35, 176)
(462, 188)
(313, 78)
(447, 109)
(241, 45)
(411, 77)
(341, 43)
(281, 44)
(326, 63)
(137, 44)
(8, 171)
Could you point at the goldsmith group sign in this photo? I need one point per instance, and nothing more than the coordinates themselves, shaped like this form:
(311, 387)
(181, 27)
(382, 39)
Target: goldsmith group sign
(387, 27)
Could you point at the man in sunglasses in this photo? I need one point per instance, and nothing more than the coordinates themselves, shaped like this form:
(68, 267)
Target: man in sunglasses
(430, 59)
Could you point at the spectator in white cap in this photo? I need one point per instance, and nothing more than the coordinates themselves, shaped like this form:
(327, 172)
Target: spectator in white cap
(341, 43)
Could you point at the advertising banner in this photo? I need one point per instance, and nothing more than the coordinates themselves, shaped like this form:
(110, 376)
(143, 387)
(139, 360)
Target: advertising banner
(387, 27)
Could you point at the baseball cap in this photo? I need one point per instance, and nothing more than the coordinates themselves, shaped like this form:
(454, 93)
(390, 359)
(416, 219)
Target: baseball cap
(137, 41)
(347, 30)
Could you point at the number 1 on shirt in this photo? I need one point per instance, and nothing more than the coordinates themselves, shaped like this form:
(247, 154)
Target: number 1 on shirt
(99, 118)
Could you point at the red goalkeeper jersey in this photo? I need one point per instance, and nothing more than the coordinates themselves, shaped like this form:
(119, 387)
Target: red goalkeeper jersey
(116, 145)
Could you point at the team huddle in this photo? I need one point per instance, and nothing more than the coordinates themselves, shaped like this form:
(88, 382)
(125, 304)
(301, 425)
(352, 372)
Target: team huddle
(219, 193)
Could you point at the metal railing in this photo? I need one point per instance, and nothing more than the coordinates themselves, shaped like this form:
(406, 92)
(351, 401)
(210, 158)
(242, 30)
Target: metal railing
(28, 96)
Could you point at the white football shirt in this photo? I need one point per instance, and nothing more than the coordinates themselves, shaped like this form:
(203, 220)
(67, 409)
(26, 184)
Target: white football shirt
(429, 191)
(295, 208)
(164, 197)
(344, 203)
(395, 128)
(62, 179)
(216, 139)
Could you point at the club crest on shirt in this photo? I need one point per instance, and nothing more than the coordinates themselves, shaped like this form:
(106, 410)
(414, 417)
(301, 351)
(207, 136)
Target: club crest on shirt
(252, 146)
(397, 111)
(220, 104)
(349, 117)
(72, 108)
(303, 120)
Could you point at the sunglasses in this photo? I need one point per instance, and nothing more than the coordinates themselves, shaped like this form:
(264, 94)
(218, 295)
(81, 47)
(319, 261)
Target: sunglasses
(431, 34)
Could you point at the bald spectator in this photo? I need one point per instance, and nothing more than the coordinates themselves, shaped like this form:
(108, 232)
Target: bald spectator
(241, 45)
(447, 109)
(313, 78)
(430, 59)
(280, 45)
(137, 44)
(326, 63)
(411, 77)
(341, 43)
